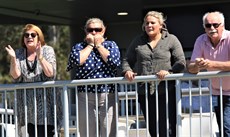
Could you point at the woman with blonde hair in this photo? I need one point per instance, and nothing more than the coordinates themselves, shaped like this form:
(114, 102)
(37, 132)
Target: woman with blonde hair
(156, 52)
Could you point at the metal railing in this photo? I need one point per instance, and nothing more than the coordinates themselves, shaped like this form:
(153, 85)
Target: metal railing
(129, 118)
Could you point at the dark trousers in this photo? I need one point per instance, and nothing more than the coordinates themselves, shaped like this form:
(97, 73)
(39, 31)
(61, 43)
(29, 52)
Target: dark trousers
(226, 116)
(40, 130)
(161, 112)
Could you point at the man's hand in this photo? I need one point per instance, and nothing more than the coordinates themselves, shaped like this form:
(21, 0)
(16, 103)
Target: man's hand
(202, 63)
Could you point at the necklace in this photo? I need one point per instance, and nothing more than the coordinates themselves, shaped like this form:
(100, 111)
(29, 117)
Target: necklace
(31, 68)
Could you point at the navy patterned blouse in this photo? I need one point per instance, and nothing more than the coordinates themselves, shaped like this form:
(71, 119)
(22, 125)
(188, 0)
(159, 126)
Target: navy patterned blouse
(95, 66)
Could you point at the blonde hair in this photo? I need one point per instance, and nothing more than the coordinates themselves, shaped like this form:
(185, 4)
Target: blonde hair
(156, 14)
(37, 30)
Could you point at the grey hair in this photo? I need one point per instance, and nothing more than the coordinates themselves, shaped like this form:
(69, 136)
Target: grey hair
(156, 14)
(94, 20)
(221, 15)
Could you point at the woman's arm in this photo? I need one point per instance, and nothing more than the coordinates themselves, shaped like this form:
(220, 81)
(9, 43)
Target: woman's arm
(14, 70)
(48, 61)
(14, 67)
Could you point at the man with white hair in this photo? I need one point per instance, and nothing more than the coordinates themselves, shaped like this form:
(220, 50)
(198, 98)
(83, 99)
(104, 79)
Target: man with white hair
(212, 53)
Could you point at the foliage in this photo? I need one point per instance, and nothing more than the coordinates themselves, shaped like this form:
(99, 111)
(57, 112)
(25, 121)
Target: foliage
(56, 36)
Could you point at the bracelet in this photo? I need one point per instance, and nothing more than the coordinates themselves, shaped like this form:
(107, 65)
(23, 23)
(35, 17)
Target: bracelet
(40, 59)
(91, 45)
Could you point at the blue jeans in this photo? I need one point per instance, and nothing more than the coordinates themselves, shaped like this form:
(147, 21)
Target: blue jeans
(226, 115)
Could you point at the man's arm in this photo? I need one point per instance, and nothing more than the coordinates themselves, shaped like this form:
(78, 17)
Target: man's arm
(193, 68)
(201, 64)
(218, 65)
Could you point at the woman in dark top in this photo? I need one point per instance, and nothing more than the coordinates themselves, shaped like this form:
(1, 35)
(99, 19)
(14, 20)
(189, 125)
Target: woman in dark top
(155, 52)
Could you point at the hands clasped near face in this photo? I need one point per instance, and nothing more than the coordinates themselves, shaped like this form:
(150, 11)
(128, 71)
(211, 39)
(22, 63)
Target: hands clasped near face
(94, 39)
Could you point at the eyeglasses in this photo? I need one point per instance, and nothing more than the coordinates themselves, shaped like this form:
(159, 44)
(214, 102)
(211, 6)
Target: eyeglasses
(94, 29)
(215, 25)
(27, 35)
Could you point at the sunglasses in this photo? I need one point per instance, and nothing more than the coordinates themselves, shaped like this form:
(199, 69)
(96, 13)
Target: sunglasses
(94, 29)
(215, 25)
(27, 35)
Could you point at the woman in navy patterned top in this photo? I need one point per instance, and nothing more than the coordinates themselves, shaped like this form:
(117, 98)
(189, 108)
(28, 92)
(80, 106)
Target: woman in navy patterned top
(95, 57)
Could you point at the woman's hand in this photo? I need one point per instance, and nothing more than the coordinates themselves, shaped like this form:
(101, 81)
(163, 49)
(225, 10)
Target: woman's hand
(89, 39)
(129, 75)
(10, 51)
(98, 39)
(14, 71)
(162, 73)
(39, 50)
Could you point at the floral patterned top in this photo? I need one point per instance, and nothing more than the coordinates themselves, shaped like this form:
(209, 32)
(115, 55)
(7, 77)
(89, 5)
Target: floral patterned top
(37, 76)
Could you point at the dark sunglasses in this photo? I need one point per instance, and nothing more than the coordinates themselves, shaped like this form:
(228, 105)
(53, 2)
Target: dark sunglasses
(215, 25)
(27, 35)
(94, 29)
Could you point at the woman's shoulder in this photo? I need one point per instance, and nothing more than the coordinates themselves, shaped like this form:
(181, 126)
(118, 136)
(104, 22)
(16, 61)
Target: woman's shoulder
(140, 38)
(109, 42)
(79, 45)
(173, 36)
(47, 47)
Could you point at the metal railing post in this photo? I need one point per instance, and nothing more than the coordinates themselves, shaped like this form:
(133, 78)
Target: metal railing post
(66, 111)
(178, 109)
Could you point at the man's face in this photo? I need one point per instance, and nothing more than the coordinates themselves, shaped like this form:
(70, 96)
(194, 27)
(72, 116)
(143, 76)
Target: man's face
(213, 26)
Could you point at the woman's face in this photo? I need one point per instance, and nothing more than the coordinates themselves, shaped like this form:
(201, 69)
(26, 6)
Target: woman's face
(152, 26)
(95, 29)
(30, 39)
